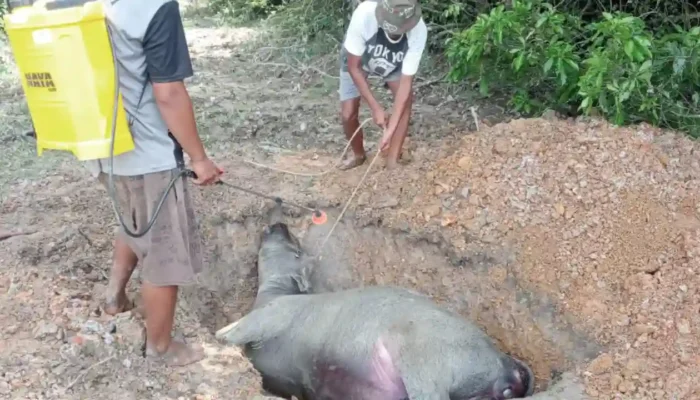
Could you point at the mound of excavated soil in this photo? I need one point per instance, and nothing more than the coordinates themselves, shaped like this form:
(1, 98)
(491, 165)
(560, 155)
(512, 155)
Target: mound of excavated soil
(601, 221)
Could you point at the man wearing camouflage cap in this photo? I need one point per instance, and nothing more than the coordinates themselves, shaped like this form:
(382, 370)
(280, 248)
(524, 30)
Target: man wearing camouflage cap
(386, 38)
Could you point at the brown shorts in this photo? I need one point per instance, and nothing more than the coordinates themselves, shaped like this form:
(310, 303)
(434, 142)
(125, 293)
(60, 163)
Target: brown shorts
(171, 252)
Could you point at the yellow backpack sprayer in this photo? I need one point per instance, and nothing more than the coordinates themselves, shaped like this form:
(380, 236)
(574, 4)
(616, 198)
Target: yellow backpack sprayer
(65, 55)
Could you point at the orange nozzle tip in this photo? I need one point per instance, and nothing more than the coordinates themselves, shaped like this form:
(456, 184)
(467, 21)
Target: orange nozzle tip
(319, 217)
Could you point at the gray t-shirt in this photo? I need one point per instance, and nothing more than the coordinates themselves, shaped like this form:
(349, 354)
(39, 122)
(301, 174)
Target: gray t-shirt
(150, 46)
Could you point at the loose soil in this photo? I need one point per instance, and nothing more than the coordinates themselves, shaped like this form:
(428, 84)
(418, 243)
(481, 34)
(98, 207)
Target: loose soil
(574, 244)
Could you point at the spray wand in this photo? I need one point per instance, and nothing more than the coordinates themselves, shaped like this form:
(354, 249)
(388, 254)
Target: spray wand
(318, 217)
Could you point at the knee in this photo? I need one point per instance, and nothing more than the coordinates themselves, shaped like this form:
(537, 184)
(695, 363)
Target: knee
(349, 114)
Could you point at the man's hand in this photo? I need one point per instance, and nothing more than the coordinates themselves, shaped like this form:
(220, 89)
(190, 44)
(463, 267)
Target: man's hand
(360, 79)
(386, 139)
(379, 116)
(207, 172)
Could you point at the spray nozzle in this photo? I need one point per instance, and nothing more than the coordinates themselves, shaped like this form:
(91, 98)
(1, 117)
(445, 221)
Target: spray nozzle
(319, 217)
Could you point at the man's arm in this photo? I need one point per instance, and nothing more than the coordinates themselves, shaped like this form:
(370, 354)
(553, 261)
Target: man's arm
(168, 64)
(358, 76)
(355, 46)
(400, 101)
(409, 68)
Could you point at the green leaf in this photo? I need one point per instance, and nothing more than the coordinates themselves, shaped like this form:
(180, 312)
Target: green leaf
(599, 80)
(619, 117)
(471, 53)
(541, 21)
(645, 66)
(548, 65)
(644, 42)
(573, 64)
(585, 103)
(643, 45)
(518, 62)
(624, 96)
(484, 87)
(678, 65)
(561, 71)
(629, 49)
(603, 101)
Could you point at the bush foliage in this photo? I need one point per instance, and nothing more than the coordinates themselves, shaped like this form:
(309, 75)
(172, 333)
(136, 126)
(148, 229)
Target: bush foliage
(614, 65)
(629, 61)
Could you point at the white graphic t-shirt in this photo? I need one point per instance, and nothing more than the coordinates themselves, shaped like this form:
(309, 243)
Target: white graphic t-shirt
(380, 54)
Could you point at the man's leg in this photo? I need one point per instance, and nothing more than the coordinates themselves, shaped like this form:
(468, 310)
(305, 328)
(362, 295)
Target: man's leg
(160, 304)
(124, 259)
(173, 259)
(123, 265)
(401, 129)
(350, 113)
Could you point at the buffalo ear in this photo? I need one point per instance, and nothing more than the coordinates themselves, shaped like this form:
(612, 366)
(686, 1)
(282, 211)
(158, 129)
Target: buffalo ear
(301, 282)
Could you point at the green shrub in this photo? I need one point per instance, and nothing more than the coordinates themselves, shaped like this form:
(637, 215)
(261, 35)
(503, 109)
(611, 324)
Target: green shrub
(551, 59)
(529, 49)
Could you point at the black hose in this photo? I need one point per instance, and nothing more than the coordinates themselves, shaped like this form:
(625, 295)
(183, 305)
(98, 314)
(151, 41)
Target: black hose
(110, 181)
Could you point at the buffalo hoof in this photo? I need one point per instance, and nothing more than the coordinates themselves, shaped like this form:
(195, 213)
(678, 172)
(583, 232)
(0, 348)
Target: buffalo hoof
(528, 374)
(222, 333)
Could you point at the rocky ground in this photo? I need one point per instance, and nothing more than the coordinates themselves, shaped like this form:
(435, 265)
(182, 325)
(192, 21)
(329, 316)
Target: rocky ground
(573, 243)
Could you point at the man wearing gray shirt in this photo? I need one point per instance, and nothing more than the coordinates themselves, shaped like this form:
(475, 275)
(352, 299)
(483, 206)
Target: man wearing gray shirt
(153, 61)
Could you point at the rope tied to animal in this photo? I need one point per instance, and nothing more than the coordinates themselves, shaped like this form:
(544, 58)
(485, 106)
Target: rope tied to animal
(341, 158)
(347, 204)
(315, 174)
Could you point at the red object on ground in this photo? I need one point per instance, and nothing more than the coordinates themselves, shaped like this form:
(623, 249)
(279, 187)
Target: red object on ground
(319, 218)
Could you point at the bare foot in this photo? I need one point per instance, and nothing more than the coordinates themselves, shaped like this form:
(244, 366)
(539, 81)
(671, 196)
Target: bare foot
(178, 354)
(390, 165)
(352, 162)
(117, 304)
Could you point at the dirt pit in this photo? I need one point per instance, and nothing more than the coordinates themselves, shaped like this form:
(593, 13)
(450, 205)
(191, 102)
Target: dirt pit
(479, 285)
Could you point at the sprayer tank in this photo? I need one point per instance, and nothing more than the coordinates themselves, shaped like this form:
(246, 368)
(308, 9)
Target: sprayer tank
(63, 53)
